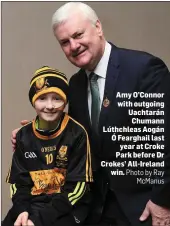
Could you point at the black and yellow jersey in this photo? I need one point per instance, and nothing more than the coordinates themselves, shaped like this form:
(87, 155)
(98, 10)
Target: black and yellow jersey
(50, 165)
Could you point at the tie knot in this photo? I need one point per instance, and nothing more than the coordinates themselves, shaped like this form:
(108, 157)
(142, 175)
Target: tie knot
(93, 76)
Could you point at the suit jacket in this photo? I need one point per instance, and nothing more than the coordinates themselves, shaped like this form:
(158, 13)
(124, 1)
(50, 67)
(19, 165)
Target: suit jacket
(128, 71)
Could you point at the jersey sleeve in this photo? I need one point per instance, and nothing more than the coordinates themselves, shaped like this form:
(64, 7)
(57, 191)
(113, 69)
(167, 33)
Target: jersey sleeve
(74, 199)
(76, 196)
(20, 181)
(79, 167)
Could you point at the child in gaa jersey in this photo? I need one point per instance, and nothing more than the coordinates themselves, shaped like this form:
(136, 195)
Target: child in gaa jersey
(51, 167)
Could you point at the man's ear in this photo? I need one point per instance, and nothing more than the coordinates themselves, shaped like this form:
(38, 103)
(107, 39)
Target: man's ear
(98, 26)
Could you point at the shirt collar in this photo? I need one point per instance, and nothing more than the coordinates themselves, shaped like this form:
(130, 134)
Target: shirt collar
(47, 131)
(101, 67)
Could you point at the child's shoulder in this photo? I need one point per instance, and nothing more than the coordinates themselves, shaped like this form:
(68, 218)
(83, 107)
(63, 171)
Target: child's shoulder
(77, 125)
(25, 129)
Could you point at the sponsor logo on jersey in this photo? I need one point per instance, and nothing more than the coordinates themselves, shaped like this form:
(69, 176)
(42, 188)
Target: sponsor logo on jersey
(30, 155)
(48, 181)
(48, 149)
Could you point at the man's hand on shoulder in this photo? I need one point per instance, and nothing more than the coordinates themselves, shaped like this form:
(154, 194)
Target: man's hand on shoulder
(14, 132)
(160, 215)
(30, 223)
(21, 219)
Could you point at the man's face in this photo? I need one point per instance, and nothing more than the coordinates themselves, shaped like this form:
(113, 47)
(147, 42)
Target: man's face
(49, 106)
(81, 41)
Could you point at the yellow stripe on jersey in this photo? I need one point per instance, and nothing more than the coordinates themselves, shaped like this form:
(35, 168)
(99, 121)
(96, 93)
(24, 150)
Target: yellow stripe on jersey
(77, 193)
(75, 190)
(8, 175)
(13, 190)
(89, 177)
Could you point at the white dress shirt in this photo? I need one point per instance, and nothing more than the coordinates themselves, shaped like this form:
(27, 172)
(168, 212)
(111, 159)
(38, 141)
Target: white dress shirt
(100, 70)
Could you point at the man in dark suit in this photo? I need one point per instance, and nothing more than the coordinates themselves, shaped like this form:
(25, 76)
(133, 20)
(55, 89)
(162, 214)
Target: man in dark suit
(109, 75)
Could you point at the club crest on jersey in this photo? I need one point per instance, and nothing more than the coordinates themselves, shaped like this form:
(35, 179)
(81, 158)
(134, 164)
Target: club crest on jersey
(41, 83)
(62, 152)
(61, 159)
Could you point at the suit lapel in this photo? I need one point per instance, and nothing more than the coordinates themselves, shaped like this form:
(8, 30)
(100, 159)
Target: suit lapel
(110, 84)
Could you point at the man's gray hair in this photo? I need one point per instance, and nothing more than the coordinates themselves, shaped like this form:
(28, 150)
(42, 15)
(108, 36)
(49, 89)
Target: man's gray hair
(62, 14)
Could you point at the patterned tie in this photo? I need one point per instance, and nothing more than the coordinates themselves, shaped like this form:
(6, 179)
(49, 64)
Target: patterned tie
(95, 106)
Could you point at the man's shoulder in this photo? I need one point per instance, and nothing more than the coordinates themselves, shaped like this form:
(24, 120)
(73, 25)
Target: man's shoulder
(130, 58)
(76, 76)
(132, 53)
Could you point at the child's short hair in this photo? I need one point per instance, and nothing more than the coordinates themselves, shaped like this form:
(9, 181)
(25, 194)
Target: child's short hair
(46, 80)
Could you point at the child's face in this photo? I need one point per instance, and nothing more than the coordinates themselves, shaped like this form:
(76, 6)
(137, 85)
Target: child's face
(49, 106)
